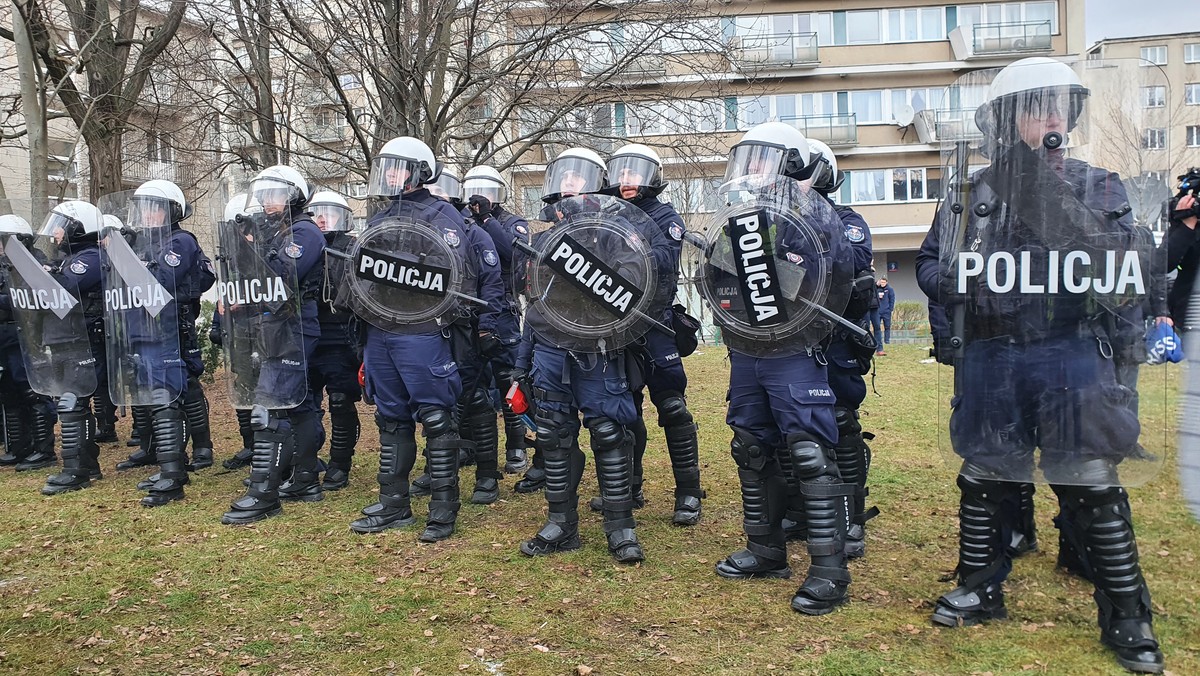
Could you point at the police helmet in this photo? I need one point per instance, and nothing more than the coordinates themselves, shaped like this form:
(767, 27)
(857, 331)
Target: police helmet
(14, 225)
(1036, 85)
(159, 194)
(639, 166)
(76, 220)
(280, 178)
(407, 155)
(111, 222)
(583, 171)
(770, 148)
(825, 175)
(485, 182)
(448, 185)
(331, 211)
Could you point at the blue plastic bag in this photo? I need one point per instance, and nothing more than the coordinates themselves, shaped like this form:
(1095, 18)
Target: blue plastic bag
(1163, 345)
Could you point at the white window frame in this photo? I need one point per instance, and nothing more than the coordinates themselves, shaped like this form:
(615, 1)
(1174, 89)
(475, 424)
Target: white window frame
(1193, 136)
(1191, 94)
(1149, 54)
(1154, 139)
(1154, 96)
(1191, 52)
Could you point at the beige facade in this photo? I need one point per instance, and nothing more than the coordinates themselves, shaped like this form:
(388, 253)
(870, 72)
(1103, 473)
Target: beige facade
(1172, 143)
(867, 77)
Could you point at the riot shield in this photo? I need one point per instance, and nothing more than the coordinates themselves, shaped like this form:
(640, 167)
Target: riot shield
(775, 268)
(1047, 277)
(258, 306)
(402, 275)
(50, 321)
(141, 315)
(592, 275)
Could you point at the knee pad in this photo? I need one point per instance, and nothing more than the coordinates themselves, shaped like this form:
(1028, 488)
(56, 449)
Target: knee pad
(70, 403)
(437, 421)
(607, 434)
(847, 421)
(479, 401)
(1096, 472)
(673, 411)
(390, 425)
(340, 402)
(809, 458)
(747, 451)
(1077, 499)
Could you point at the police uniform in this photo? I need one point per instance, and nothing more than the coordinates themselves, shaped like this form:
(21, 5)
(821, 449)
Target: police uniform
(334, 369)
(414, 378)
(28, 416)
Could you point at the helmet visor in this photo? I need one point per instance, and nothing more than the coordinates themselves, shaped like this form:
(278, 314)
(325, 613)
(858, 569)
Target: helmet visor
(751, 159)
(149, 212)
(569, 176)
(392, 176)
(822, 176)
(484, 187)
(447, 187)
(58, 226)
(331, 217)
(274, 194)
(634, 171)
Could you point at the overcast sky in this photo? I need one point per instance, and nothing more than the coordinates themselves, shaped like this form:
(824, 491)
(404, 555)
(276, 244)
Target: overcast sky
(1127, 18)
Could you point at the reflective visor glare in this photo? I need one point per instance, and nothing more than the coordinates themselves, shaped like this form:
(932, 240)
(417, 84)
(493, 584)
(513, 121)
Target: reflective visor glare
(391, 176)
(1042, 103)
(572, 176)
(632, 171)
(447, 186)
(331, 218)
(747, 160)
(143, 212)
(493, 191)
(55, 222)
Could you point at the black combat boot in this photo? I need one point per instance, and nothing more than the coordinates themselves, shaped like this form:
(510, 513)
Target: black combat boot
(515, 442)
(274, 445)
(304, 485)
(853, 461)
(195, 405)
(558, 447)
(170, 441)
(79, 451)
(397, 453)
(144, 456)
(344, 430)
(18, 437)
(683, 446)
(243, 457)
(983, 559)
(764, 500)
(477, 425)
(443, 446)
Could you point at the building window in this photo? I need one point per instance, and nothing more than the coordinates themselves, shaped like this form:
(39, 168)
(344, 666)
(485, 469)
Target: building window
(349, 81)
(1007, 12)
(1154, 139)
(908, 184)
(157, 148)
(1191, 53)
(1193, 136)
(862, 28)
(1154, 97)
(1191, 94)
(1156, 55)
(531, 197)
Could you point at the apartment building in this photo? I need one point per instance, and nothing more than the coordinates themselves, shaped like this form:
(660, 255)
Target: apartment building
(1172, 143)
(868, 77)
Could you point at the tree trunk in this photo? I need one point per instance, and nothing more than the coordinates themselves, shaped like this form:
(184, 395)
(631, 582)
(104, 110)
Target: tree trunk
(35, 119)
(105, 164)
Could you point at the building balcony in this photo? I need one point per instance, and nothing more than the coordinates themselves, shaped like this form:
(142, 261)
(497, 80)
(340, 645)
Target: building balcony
(141, 169)
(946, 125)
(326, 134)
(640, 66)
(775, 51)
(834, 130)
(989, 40)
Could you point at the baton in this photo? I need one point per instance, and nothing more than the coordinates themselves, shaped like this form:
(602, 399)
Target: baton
(654, 323)
(457, 294)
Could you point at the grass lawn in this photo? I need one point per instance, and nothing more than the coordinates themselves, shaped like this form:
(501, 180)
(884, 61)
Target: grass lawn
(92, 582)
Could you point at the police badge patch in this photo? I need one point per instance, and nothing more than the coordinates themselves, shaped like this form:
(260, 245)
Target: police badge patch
(293, 250)
(173, 259)
(855, 233)
(676, 231)
(795, 257)
(489, 257)
(451, 238)
(522, 229)
(79, 267)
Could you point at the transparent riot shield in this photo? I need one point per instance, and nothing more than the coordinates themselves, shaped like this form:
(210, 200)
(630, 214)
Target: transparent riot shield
(141, 315)
(1049, 276)
(258, 307)
(592, 275)
(49, 317)
(402, 276)
(776, 268)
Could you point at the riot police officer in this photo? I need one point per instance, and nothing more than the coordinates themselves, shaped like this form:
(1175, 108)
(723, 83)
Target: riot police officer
(594, 382)
(29, 417)
(1034, 364)
(635, 172)
(70, 355)
(780, 401)
(274, 289)
(848, 353)
(413, 377)
(334, 366)
(485, 193)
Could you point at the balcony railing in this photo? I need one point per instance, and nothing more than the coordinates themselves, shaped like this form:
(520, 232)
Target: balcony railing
(642, 65)
(986, 40)
(783, 49)
(140, 169)
(324, 133)
(835, 130)
(955, 124)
